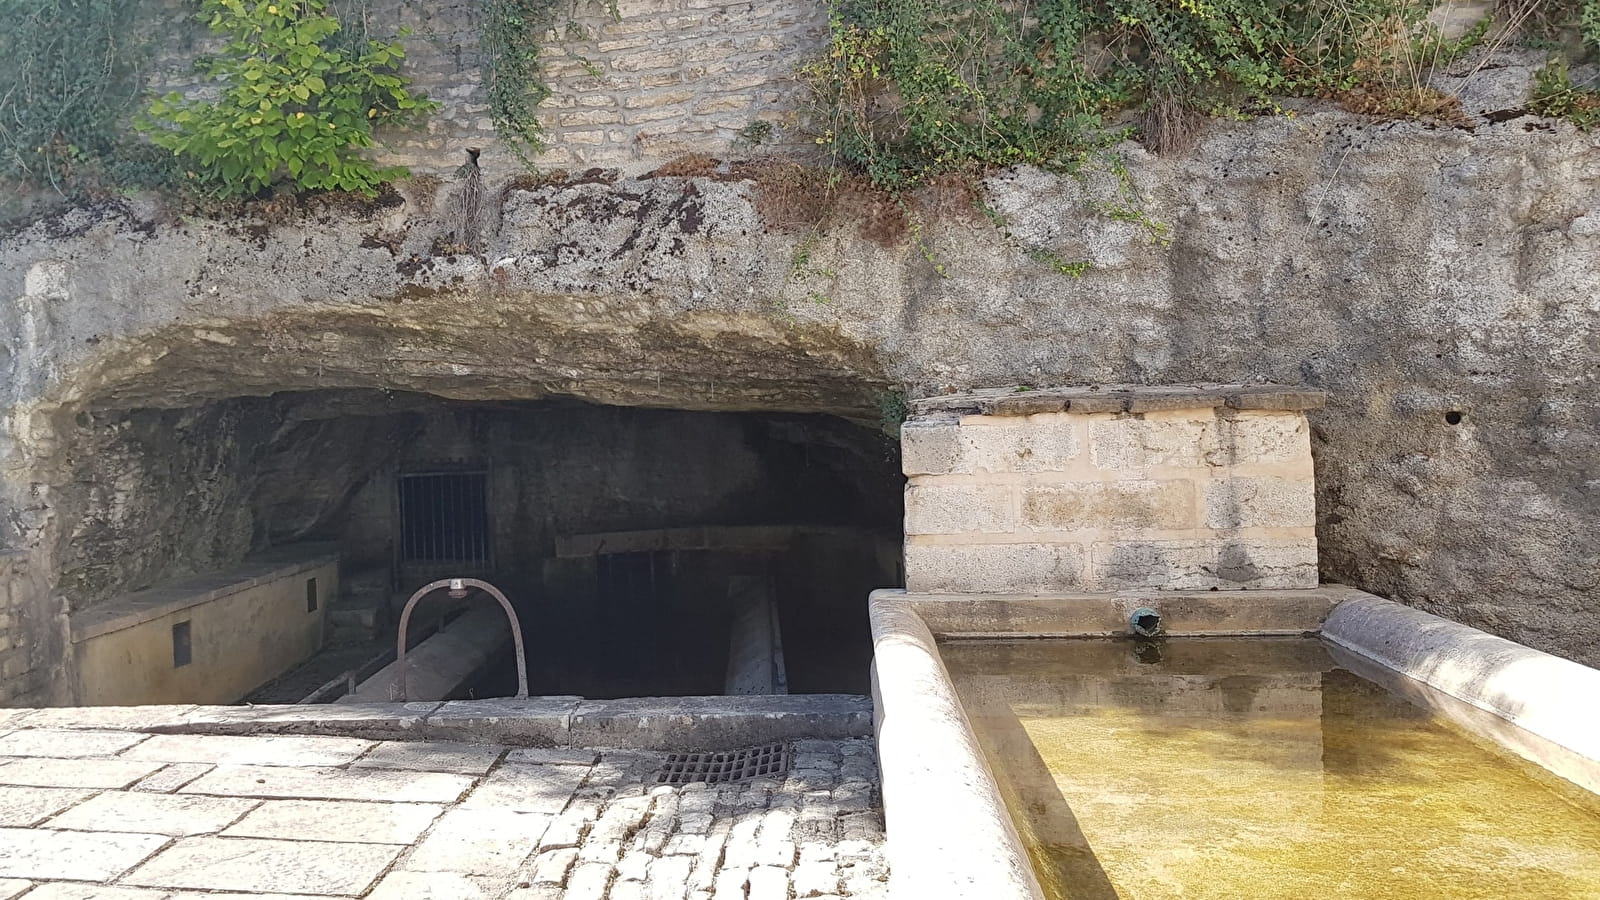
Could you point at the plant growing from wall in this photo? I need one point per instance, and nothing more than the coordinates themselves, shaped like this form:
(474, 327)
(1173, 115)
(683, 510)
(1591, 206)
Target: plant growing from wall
(515, 33)
(69, 72)
(909, 89)
(295, 105)
(1555, 94)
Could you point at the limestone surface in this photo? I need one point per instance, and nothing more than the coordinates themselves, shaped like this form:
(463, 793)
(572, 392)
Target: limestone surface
(1436, 283)
(499, 823)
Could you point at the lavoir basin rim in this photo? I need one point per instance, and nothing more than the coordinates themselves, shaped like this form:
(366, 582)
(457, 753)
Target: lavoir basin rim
(950, 832)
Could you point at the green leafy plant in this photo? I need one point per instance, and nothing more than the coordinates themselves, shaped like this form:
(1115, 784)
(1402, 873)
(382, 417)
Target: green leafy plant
(910, 89)
(515, 33)
(294, 103)
(1556, 96)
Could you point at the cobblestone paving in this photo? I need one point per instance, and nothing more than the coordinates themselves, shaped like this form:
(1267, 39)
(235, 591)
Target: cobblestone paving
(113, 815)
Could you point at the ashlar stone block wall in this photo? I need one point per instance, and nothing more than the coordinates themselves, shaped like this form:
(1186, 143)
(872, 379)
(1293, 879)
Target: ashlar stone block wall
(1036, 492)
(656, 80)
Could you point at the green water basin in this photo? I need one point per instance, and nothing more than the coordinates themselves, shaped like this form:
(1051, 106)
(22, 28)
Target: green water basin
(1257, 768)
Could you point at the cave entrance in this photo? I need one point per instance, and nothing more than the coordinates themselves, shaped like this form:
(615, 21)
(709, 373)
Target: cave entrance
(647, 551)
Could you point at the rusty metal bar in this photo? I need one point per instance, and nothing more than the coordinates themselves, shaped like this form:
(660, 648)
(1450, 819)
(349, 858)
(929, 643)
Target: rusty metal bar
(458, 589)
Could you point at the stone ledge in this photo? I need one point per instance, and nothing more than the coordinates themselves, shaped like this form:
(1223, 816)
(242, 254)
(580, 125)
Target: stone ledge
(1265, 612)
(647, 723)
(144, 606)
(1020, 401)
(1524, 699)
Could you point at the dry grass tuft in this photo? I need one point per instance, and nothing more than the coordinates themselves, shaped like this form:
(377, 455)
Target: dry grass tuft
(692, 165)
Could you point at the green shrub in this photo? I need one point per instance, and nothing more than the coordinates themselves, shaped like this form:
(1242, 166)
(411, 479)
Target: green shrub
(294, 102)
(909, 89)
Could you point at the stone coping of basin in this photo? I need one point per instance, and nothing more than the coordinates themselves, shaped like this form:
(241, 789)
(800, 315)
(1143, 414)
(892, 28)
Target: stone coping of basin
(1016, 400)
(1106, 614)
(642, 723)
(142, 606)
(1549, 702)
(950, 834)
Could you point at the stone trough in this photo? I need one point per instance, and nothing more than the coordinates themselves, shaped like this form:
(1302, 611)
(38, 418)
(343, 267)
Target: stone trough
(1071, 520)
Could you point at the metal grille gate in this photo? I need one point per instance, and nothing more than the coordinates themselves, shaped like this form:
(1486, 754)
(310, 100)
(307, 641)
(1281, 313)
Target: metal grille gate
(444, 519)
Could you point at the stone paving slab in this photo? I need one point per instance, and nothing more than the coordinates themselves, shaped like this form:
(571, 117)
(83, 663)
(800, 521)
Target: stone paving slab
(257, 750)
(40, 854)
(426, 820)
(326, 784)
(434, 886)
(490, 842)
(362, 823)
(386, 720)
(529, 789)
(21, 807)
(167, 814)
(172, 777)
(12, 887)
(62, 744)
(433, 756)
(268, 866)
(79, 773)
(123, 718)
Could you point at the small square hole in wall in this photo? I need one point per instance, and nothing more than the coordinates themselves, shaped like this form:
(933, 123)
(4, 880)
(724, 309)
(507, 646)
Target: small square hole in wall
(311, 595)
(182, 649)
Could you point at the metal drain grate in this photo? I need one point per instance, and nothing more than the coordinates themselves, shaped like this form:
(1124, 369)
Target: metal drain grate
(767, 761)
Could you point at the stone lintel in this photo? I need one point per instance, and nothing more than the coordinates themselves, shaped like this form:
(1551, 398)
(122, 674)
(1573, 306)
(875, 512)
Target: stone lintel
(1026, 401)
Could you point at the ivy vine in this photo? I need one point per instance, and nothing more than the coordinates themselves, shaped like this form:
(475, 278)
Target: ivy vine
(70, 71)
(514, 36)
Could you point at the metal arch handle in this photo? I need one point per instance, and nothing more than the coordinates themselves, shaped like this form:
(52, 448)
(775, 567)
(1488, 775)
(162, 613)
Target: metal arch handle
(459, 584)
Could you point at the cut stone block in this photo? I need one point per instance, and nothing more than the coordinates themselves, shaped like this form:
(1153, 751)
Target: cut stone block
(1013, 568)
(948, 446)
(1122, 505)
(153, 814)
(254, 750)
(83, 773)
(66, 890)
(43, 855)
(67, 744)
(492, 842)
(170, 778)
(527, 788)
(955, 509)
(1204, 565)
(1264, 564)
(328, 784)
(536, 720)
(432, 756)
(1265, 437)
(553, 756)
(1250, 502)
(1173, 440)
(21, 807)
(359, 823)
(281, 867)
(406, 885)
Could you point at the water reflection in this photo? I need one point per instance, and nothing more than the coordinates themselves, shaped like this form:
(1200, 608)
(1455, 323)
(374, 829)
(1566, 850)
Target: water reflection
(1257, 768)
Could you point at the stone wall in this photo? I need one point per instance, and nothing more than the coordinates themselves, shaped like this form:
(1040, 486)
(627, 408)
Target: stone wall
(1437, 283)
(241, 628)
(661, 79)
(1195, 497)
(22, 677)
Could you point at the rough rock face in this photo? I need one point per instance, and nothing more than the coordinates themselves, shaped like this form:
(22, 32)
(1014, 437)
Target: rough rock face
(1439, 284)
